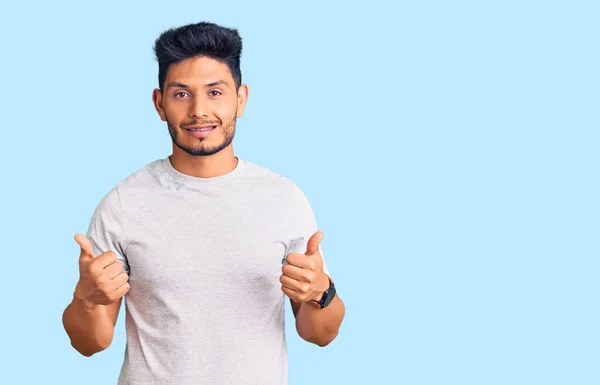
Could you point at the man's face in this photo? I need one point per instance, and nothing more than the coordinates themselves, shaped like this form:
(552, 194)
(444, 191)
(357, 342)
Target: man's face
(199, 92)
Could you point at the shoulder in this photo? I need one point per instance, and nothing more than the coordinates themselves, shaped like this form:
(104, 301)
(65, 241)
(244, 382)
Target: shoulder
(259, 175)
(279, 191)
(149, 174)
(141, 179)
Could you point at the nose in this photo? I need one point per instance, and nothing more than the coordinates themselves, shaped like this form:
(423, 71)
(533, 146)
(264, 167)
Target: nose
(198, 108)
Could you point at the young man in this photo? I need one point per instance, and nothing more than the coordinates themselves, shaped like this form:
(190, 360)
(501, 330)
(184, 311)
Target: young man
(205, 245)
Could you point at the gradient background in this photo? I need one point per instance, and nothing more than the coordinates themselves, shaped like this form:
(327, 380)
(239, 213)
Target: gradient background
(449, 150)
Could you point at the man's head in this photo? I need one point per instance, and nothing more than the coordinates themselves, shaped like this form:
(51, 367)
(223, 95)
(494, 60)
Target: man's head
(200, 84)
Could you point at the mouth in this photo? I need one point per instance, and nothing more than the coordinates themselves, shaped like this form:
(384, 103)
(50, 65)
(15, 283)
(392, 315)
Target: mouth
(200, 131)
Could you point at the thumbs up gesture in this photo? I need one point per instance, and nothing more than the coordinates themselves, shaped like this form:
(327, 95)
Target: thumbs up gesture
(303, 278)
(102, 280)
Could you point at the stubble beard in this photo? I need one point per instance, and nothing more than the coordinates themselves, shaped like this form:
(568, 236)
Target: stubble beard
(202, 149)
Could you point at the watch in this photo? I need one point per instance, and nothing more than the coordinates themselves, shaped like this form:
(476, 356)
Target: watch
(328, 295)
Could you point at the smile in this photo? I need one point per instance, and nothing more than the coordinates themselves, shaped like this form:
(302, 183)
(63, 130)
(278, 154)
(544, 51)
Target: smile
(200, 132)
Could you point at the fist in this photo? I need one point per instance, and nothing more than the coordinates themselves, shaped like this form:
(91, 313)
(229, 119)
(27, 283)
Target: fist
(102, 280)
(303, 278)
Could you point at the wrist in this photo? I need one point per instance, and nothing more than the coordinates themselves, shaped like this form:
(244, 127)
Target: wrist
(324, 283)
(80, 299)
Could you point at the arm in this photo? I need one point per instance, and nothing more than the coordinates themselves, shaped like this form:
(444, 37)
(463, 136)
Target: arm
(304, 280)
(305, 276)
(90, 327)
(90, 318)
(316, 325)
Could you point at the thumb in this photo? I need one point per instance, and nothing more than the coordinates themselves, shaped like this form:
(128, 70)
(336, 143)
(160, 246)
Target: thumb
(87, 251)
(312, 246)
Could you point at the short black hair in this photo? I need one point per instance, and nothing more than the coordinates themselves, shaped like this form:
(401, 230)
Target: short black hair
(195, 40)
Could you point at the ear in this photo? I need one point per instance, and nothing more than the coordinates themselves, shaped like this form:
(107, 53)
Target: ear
(157, 100)
(242, 99)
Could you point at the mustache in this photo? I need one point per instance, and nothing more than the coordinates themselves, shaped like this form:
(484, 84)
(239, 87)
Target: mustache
(198, 123)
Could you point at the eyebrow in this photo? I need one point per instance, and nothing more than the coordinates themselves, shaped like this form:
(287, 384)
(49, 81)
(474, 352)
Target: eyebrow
(211, 84)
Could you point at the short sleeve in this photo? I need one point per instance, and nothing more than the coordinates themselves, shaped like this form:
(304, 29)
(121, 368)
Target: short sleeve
(304, 225)
(105, 230)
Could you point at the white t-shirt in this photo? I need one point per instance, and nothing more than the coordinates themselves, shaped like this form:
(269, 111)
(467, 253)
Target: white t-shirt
(204, 257)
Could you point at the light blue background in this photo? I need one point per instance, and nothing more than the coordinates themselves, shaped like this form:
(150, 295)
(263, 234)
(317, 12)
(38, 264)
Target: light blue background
(449, 149)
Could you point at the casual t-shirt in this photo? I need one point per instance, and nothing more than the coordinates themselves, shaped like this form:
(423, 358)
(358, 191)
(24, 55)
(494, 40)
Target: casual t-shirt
(204, 258)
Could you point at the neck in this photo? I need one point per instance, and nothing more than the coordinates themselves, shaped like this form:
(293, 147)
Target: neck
(221, 163)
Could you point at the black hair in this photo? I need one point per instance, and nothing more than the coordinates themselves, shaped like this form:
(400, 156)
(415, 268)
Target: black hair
(195, 40)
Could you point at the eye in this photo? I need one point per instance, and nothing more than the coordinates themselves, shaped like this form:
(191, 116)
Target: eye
(180, 94)
(212, 93)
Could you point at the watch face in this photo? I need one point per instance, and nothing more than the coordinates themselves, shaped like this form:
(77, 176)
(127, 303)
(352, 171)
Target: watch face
(329, 298)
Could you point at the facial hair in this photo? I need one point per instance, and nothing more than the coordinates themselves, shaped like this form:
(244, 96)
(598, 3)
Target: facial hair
(201, 148)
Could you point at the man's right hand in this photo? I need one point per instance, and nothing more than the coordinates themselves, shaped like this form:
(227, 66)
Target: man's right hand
(102, 280)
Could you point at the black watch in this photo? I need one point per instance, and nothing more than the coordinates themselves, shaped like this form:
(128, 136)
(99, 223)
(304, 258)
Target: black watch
(328, 295)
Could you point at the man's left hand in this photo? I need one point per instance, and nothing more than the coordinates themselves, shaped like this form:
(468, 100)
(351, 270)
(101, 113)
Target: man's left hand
(303, 278)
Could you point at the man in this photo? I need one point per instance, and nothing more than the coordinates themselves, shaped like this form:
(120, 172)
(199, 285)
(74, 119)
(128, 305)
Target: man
(204, 245)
